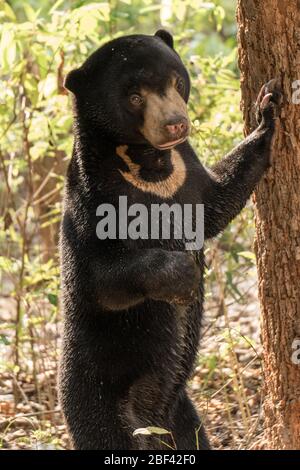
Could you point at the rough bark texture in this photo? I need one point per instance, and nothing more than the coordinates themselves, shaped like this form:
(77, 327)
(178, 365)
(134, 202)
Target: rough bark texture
(269, 47)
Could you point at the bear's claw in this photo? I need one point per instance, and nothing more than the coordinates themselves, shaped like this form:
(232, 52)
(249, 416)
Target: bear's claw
(268, 101)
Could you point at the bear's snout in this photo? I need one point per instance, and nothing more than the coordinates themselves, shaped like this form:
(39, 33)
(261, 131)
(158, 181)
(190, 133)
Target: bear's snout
(177, 128)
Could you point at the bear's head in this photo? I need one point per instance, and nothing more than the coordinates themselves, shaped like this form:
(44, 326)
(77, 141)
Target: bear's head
(134, 90)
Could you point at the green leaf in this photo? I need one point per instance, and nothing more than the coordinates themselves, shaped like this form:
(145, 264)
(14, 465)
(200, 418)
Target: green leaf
(9, 12)
(207, 5)
(48, 87)
(247, 255)
(150, 430)
(4, 340)
(55, 6)
(219, 14)
(30, 13)
(180, 10)
(8, 47)
(38, 150)
(53, 299)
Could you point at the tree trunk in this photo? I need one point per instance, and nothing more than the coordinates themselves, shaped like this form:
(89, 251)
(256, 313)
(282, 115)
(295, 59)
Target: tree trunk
(269, 47)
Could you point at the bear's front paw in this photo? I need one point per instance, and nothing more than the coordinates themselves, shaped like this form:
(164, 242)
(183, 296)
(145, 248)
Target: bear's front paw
(268, 102)
(179, 279)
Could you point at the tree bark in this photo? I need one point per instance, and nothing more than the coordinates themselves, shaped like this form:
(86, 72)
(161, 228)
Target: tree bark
(269, 47)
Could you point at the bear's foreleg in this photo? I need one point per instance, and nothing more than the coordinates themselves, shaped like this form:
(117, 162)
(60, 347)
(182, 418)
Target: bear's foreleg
(234, 178)
(122, 280)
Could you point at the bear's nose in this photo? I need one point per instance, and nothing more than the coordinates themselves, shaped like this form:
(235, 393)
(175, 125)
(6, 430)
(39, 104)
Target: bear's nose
(177, 128)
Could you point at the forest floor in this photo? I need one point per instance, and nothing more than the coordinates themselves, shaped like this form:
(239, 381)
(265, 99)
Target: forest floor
(226, 385)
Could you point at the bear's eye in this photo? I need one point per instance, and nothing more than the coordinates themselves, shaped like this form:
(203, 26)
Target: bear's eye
(136, 99)
(180, 85)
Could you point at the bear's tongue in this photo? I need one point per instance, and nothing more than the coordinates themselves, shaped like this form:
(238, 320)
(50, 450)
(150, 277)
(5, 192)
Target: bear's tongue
(170, 144)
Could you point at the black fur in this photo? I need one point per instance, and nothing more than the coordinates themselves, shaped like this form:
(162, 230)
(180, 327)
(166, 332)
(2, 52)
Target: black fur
(131, 315)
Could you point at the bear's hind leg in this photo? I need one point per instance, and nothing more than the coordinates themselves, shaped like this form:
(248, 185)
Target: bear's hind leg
(188, 429)
(93, 432)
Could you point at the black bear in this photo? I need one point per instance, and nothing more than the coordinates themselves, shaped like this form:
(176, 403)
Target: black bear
(133, 305)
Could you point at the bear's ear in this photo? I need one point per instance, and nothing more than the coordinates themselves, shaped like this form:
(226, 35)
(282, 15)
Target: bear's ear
(166, 37)
(74, 80)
